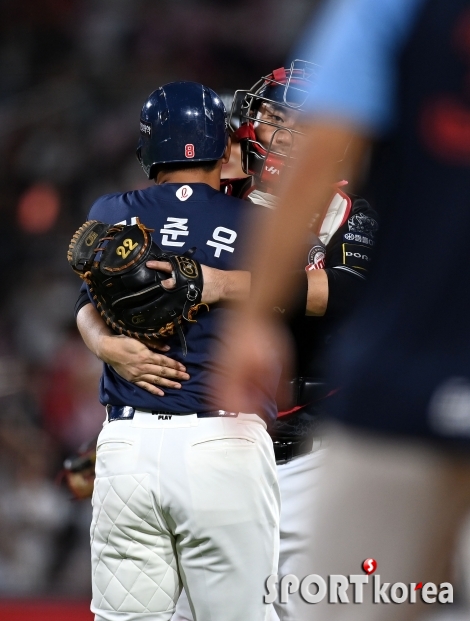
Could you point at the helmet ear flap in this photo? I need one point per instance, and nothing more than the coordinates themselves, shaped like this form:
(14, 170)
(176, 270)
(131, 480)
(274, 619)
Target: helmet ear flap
(147, 170)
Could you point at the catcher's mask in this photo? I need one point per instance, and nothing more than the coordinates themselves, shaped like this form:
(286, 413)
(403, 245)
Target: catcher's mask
(181, 122)
(284, 91)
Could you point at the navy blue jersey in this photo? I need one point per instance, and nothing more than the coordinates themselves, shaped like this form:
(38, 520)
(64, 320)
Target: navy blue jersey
(404, 360)
(185, 216)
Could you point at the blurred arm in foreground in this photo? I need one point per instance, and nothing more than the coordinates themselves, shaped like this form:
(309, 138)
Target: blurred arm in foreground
(279, 246)
(357, 45)
(396, 481)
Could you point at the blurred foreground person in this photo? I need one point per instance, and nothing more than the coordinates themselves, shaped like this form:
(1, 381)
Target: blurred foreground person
(329, 282)
(397, 479)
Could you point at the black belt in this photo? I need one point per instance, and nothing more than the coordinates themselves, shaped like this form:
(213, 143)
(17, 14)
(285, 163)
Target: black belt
(126, 412)
(285, 450)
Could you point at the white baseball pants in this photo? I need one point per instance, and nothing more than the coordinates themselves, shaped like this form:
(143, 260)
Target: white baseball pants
(298, 482)
(186, 501)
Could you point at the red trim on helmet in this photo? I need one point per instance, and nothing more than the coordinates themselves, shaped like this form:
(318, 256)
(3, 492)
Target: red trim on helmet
(280, 75)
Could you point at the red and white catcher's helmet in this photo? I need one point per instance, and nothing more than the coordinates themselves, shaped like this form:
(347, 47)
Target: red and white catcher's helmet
(283, 88)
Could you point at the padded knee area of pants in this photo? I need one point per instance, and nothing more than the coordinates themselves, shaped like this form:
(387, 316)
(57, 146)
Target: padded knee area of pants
(133, 559)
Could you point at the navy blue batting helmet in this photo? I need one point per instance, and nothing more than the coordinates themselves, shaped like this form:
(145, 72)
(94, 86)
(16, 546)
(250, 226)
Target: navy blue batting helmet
(181, 122)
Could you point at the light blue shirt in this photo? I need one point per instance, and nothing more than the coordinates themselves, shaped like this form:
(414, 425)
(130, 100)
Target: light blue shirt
(357, 44)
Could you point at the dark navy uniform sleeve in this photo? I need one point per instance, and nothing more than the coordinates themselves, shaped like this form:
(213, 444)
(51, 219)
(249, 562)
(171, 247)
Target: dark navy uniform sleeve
(82, 300)
(349, 256)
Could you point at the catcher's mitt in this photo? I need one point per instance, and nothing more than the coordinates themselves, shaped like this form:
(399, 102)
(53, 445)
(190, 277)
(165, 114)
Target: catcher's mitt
(111, 259)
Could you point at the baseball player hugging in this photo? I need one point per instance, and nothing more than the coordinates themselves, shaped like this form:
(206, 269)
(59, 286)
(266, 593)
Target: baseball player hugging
(337, 262)
(186, 493)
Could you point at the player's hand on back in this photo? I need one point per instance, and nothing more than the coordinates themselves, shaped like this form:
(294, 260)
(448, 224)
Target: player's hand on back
(141, 366)
(219, 285)
(211, 276)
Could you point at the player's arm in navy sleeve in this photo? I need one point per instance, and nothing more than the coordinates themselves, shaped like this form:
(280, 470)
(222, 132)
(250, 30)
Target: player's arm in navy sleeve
(349, 257)
(333, 289)
(82, 300)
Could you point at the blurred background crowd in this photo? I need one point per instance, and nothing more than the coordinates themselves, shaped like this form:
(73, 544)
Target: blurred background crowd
(73, 77)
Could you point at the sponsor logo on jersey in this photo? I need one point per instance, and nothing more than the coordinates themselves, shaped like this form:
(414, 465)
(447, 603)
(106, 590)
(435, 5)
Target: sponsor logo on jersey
(356, 256)
(360, 223)
(360, 239)
(145, 128)
(184, 192)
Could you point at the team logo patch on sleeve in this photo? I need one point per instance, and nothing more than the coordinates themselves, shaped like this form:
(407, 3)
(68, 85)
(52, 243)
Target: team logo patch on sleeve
(316, 258)
(357, 257)
(361, 224)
